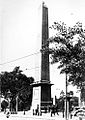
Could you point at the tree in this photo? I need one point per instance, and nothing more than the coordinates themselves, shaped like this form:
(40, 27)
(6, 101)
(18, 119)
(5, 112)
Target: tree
(67, 47)
(19, 85)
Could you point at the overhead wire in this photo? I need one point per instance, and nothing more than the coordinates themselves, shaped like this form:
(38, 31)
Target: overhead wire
(19, 58)
(22, 58)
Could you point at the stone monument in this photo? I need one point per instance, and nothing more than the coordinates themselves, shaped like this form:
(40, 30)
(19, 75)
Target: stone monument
(42, 88)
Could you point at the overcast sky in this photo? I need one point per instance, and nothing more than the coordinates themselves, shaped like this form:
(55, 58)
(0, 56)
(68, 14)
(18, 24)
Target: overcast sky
(19, 33)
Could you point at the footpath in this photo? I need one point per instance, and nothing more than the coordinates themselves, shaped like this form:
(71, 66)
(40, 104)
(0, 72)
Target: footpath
(29, 116)
(44, 116)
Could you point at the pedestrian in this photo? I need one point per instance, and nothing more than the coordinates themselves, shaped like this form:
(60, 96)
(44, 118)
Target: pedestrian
(24, 111)
(37, 110)
(7, 113)
(56, 109)
(52, 110)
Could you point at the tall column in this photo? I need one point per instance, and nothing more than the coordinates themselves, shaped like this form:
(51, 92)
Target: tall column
(45, 55)
(45, 72)
(42, 88)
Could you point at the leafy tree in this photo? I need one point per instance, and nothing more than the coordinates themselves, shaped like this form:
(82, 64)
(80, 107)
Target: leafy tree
(67, 47)
(19, 85)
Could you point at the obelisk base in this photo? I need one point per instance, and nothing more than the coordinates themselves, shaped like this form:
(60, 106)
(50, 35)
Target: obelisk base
(41, 96)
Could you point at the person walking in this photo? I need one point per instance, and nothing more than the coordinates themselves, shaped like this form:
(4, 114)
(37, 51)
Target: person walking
(56, 109)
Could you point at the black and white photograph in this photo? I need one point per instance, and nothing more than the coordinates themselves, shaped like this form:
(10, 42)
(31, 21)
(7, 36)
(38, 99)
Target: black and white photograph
(42, 60)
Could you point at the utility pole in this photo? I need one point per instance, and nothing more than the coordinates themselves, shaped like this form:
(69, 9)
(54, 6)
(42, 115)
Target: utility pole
(0, 92)
(66, 99)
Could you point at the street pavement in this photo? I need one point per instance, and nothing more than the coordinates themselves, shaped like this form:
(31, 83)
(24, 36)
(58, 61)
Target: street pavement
(29, 116)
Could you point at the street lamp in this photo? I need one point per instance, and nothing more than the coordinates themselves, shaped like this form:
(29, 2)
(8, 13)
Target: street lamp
(16, 103)
(62, 94)
(79, 96)
(8, 97)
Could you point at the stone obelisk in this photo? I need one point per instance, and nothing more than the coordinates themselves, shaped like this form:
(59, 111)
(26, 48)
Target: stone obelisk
(42, 88)
(45, 73)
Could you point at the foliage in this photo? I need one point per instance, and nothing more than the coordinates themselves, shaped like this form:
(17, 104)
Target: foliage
(67, 47)
(18, 84)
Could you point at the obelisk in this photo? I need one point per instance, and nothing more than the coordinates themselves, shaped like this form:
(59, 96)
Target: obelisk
(45, 73)
(42, 88)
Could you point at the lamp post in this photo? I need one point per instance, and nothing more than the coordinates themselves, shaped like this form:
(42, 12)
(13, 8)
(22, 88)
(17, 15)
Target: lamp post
(0, 92)
(66, 99)
(17, 104)
(79, 97)
(8, 96)
(62, 95)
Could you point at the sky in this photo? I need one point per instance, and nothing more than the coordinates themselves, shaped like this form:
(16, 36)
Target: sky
(20, 34)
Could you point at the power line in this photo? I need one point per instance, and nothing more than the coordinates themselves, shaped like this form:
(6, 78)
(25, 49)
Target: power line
(19, 58)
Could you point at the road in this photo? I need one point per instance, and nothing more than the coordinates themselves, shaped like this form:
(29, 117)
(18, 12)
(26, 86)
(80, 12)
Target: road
(27, 116)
